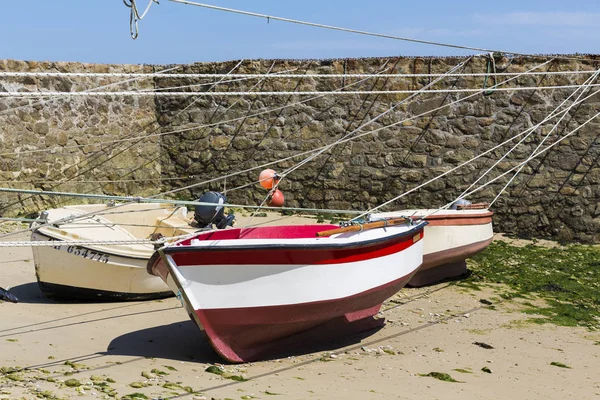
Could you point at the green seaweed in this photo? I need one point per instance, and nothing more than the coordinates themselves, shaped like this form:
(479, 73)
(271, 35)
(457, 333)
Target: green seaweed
(170, 368)
(213, 369)
(72, 383)
(483, 345)
(134, 396)
(272, 393)
(389, 351)
(138, 385)
(76, 365)
(46, 394)
(12, 340)
(463, 370)
(486, 370)
(147, 375)
(567, 278)
(172, 386)
(438, 350)
(159, 372)
(238, 378)
(559, 364)
(15, 377)
(442, 376)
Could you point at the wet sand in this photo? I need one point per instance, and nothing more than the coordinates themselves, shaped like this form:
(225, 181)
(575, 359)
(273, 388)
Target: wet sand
(153, 348)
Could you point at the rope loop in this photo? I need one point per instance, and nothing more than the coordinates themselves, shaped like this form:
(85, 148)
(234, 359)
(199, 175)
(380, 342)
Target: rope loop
(135, 16)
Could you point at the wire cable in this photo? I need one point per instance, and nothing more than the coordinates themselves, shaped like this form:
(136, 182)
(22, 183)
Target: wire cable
(348, 30)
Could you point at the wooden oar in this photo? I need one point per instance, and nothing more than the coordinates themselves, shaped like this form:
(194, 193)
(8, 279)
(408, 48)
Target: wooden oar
(362, 227)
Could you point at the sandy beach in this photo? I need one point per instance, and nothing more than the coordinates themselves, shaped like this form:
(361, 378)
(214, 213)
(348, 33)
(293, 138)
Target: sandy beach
(51, 350)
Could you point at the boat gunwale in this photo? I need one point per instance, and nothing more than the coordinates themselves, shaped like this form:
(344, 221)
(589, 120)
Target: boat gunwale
(226, 245)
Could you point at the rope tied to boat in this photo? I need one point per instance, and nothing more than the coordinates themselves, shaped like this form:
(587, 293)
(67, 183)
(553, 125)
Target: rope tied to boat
(179, 297)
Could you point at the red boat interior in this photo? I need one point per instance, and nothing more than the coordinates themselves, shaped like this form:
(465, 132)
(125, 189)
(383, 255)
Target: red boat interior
(264, 232)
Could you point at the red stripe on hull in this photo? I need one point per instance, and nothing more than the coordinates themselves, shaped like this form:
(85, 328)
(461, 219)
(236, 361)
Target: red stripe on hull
(446, 264)
(248, 334)
(309, 255)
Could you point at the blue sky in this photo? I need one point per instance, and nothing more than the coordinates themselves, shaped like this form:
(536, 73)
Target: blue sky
(97, 31)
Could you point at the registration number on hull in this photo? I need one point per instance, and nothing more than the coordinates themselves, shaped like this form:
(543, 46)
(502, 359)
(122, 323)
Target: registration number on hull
(85, 253)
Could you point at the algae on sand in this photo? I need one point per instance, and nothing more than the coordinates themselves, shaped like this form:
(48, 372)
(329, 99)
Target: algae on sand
(567, 278)
(442, 376)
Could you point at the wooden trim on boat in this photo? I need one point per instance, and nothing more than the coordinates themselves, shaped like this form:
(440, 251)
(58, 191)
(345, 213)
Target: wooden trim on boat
(363, 227)
(458, 219)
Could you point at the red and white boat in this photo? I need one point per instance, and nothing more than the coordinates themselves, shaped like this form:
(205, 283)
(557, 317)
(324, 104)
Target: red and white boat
(451, 236)
(256, 290)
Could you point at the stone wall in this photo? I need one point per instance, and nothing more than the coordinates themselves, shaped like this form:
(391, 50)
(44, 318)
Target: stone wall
(556, 196)
(67, 144)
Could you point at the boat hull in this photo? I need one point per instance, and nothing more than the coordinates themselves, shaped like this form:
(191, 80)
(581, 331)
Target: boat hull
(63, 273)
(103, 272)
(451, 236)
(252, 300)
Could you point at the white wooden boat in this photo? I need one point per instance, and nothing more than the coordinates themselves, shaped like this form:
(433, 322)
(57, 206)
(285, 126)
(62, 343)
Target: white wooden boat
(451, 236)
(104, 272)
(256, 290)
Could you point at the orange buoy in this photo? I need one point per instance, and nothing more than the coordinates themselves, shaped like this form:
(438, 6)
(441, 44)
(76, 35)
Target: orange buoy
(268, 178)
(276, 199)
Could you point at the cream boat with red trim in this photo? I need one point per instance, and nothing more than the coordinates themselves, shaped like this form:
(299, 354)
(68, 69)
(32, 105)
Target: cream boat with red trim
(98, 272)
(451, 236)
(254, 291)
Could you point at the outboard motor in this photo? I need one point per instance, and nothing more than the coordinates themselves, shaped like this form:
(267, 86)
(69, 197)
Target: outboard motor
(206, 215)
(460, 202)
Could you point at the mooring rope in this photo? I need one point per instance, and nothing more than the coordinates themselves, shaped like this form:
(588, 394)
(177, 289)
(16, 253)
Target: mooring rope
(275, 75)
(280, 93)
(534, 128)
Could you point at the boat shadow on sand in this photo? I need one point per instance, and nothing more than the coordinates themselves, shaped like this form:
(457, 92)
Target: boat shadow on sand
(30, 293)
(181, 341)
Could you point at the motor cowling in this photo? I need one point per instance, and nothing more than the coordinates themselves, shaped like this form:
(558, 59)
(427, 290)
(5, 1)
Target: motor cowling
(208, 214)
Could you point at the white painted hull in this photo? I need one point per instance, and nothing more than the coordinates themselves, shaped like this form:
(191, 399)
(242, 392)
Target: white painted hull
(101, 272)
(450, 237)
(255, 290)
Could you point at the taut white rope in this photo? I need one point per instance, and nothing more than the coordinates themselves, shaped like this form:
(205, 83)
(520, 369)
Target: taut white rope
(277, 75)
(523, 163)
(282, 93)
(532, 130)
(583, 88)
